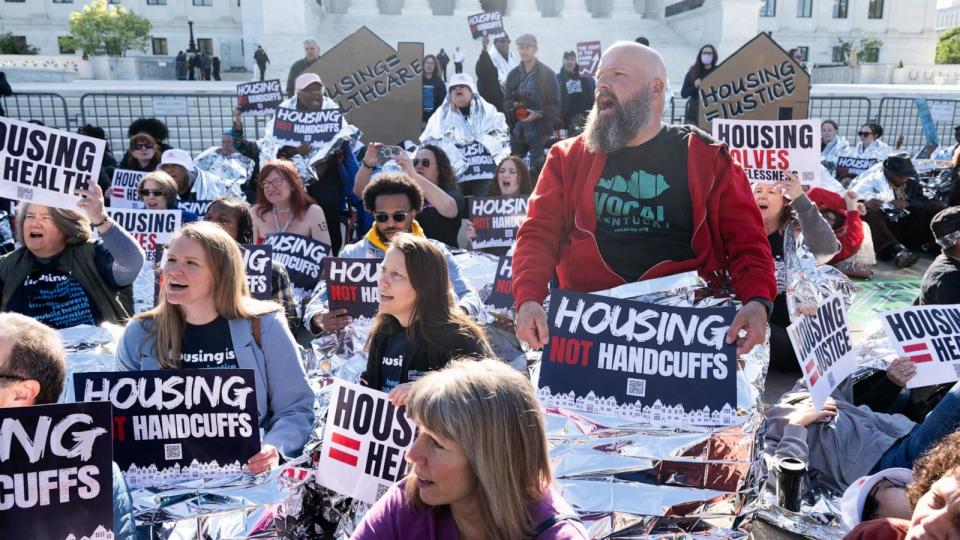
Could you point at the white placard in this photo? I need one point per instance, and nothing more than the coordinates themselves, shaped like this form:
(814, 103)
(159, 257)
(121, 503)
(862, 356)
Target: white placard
(930, 337)
(767, 148)
(824, 348)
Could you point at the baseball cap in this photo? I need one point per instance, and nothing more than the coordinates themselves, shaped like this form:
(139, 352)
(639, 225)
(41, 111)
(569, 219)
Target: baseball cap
(462, 79)
(946, 221)
(176, 156)
(851, 504)
(526, 39)
(306, 80)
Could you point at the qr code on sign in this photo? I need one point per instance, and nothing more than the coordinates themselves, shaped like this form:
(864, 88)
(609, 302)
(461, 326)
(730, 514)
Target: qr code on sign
(956, 369)
(807, 177)
(24, 193)
(381, 490)
(172, 452)
(636, 387)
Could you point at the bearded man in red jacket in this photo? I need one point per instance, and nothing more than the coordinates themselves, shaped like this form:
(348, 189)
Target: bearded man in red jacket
(633, 199)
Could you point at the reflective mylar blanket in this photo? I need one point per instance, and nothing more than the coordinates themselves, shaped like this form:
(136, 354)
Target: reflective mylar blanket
(449, 129)
(235, 168)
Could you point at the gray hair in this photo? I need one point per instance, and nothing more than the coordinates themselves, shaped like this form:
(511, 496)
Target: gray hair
(166, 182)
(311, 41)
(36, 353)
(74, 225)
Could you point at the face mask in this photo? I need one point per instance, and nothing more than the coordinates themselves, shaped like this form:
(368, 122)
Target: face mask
(706, 59)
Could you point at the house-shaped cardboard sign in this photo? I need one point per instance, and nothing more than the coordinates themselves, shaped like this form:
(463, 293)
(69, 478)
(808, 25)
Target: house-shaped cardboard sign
(758, 82)
(379, 88)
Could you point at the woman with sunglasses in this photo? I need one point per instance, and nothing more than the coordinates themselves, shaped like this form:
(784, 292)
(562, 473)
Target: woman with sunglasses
(284, 207)
(869, 144)
(158, 191)
(143, 154)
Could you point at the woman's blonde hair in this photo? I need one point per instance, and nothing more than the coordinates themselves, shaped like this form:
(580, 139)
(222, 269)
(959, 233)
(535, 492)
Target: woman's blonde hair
(231, 296)
(74, 225)
(166, 182)
(491, 410)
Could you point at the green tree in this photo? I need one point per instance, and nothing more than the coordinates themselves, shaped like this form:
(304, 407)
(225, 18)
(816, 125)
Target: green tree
(869, 49)
(948, 47)
(11, 44)
(101, 28)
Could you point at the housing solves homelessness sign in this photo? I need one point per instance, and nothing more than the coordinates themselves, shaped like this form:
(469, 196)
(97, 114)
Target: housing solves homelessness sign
(56, 471)
(365, 440)
(302, 256)
(352, 285)
(823, 348)
(496, 220)
(768, 148)
(660, 364)
(174, 425)
(930, 337)
(151, 228)
(43, 165)
(259, 97)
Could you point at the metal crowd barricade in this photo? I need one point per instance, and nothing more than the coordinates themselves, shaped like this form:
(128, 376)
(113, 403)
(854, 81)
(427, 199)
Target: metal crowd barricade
(848, 112)
(898, 116)
(49, 108)
(196, 121)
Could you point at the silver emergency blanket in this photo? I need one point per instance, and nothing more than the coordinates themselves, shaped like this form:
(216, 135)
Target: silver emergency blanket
(234, 168)
(832, 152)
(448, 128)
(207, 186)
(807, 281)
(877, 150)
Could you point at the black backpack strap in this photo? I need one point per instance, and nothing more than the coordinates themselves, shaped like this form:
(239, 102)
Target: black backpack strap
(550, 522)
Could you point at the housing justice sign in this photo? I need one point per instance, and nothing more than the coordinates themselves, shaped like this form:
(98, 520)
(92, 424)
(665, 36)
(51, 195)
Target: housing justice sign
(824, 348)
(659, 364)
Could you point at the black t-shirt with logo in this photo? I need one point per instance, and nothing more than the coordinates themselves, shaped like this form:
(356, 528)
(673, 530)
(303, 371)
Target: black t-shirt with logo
(208, 346)
(54, 298)
(398, 354)
(644, 214)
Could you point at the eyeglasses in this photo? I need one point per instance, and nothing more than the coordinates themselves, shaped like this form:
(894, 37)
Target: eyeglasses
(864, 133)
(151, 192)
(276, 182)
(141, 146)
(398, 217)
(425, 162)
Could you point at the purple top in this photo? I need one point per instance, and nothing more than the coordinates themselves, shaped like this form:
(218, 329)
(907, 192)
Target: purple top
(393, 518)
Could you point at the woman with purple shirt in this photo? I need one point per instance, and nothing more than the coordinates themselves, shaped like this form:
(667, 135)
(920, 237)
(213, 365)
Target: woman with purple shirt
(479, 468)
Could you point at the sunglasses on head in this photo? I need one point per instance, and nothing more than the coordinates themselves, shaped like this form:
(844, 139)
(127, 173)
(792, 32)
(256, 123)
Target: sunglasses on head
(151, 193)
(141, 146)
(398, 217)
(864, 133)
(425, 162)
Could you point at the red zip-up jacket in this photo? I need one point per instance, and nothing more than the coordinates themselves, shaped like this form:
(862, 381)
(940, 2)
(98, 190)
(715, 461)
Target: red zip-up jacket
(559, 232)
(850, 234)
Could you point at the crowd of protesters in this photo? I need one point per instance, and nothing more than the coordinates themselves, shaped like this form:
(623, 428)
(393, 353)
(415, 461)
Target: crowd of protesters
(409, 208)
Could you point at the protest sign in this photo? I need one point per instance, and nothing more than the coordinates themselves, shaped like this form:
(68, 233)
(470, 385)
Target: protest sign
(172, 425)
(501, 296)
(760, 81)
(256, 262)
(927, 121)
(823, 348)
(56, 471)
(151, 228)
(853, 166)
(496, 220)
(44, 165)
(365, 440)
(766, 149)
(302, 256)
(588, 56)
(294, 126)
(379, 88)
(123, 189)
(352, 285)
(480, 164)
(930, 337)
(197, 207)
(489, 23)
(659, 364)
(259, 97)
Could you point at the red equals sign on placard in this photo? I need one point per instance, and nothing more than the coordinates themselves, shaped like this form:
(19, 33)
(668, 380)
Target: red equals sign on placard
(811, 370)
(341, 455)
(917, 352)
(117, 193)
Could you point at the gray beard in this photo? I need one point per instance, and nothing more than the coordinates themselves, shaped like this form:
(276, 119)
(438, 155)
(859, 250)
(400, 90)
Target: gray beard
(611, 133)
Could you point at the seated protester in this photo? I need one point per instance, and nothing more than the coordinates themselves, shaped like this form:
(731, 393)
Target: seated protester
(233, 216)
(61, 275)
(158, 191)
(933, 500)
(395, 201)
(227, 163)
(878, 496)
(156, 133)
(479, 468)
(418, 328)
(898, 212)
(34, 369)
(843, 215)
(947, 151)
(284, 207)
(463, 120)
(512, 179)
(832, 145)
(786, 210)
(941, 281)
(204, 307)
(177, 163)
(143, 154)
(869, 145)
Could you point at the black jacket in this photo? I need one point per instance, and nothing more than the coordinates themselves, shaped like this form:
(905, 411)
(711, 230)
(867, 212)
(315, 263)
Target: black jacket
(689, 91)
(546, 86)
(488, 81)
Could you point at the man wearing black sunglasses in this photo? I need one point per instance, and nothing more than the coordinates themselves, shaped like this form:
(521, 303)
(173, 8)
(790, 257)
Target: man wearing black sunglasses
(394, 200)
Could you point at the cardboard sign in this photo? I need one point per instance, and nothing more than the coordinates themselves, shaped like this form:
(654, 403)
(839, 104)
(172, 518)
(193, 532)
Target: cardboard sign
(824, 348)
(56, 471)
(588, 56)
(489, 23)
(257, 261)
(854, 166)
(930, 337)
(501, 296)
(294, 126)
(197, 207)
(44, 165)
(123, 189)
(352, 285)
(302, 256)
(364, 443)
(173, 425)
(379, 88)
(480, 164)
(760, 81)
(766, 149)
(496, 220)
(259, 97)
(659, 364)
(151, 228)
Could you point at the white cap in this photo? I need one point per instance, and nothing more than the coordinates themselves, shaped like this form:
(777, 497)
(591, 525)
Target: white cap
(462, 79)
(176, 156)
(851, 504)
(306, 80)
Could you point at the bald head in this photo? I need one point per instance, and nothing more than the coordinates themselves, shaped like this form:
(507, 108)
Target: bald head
(636, 57)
